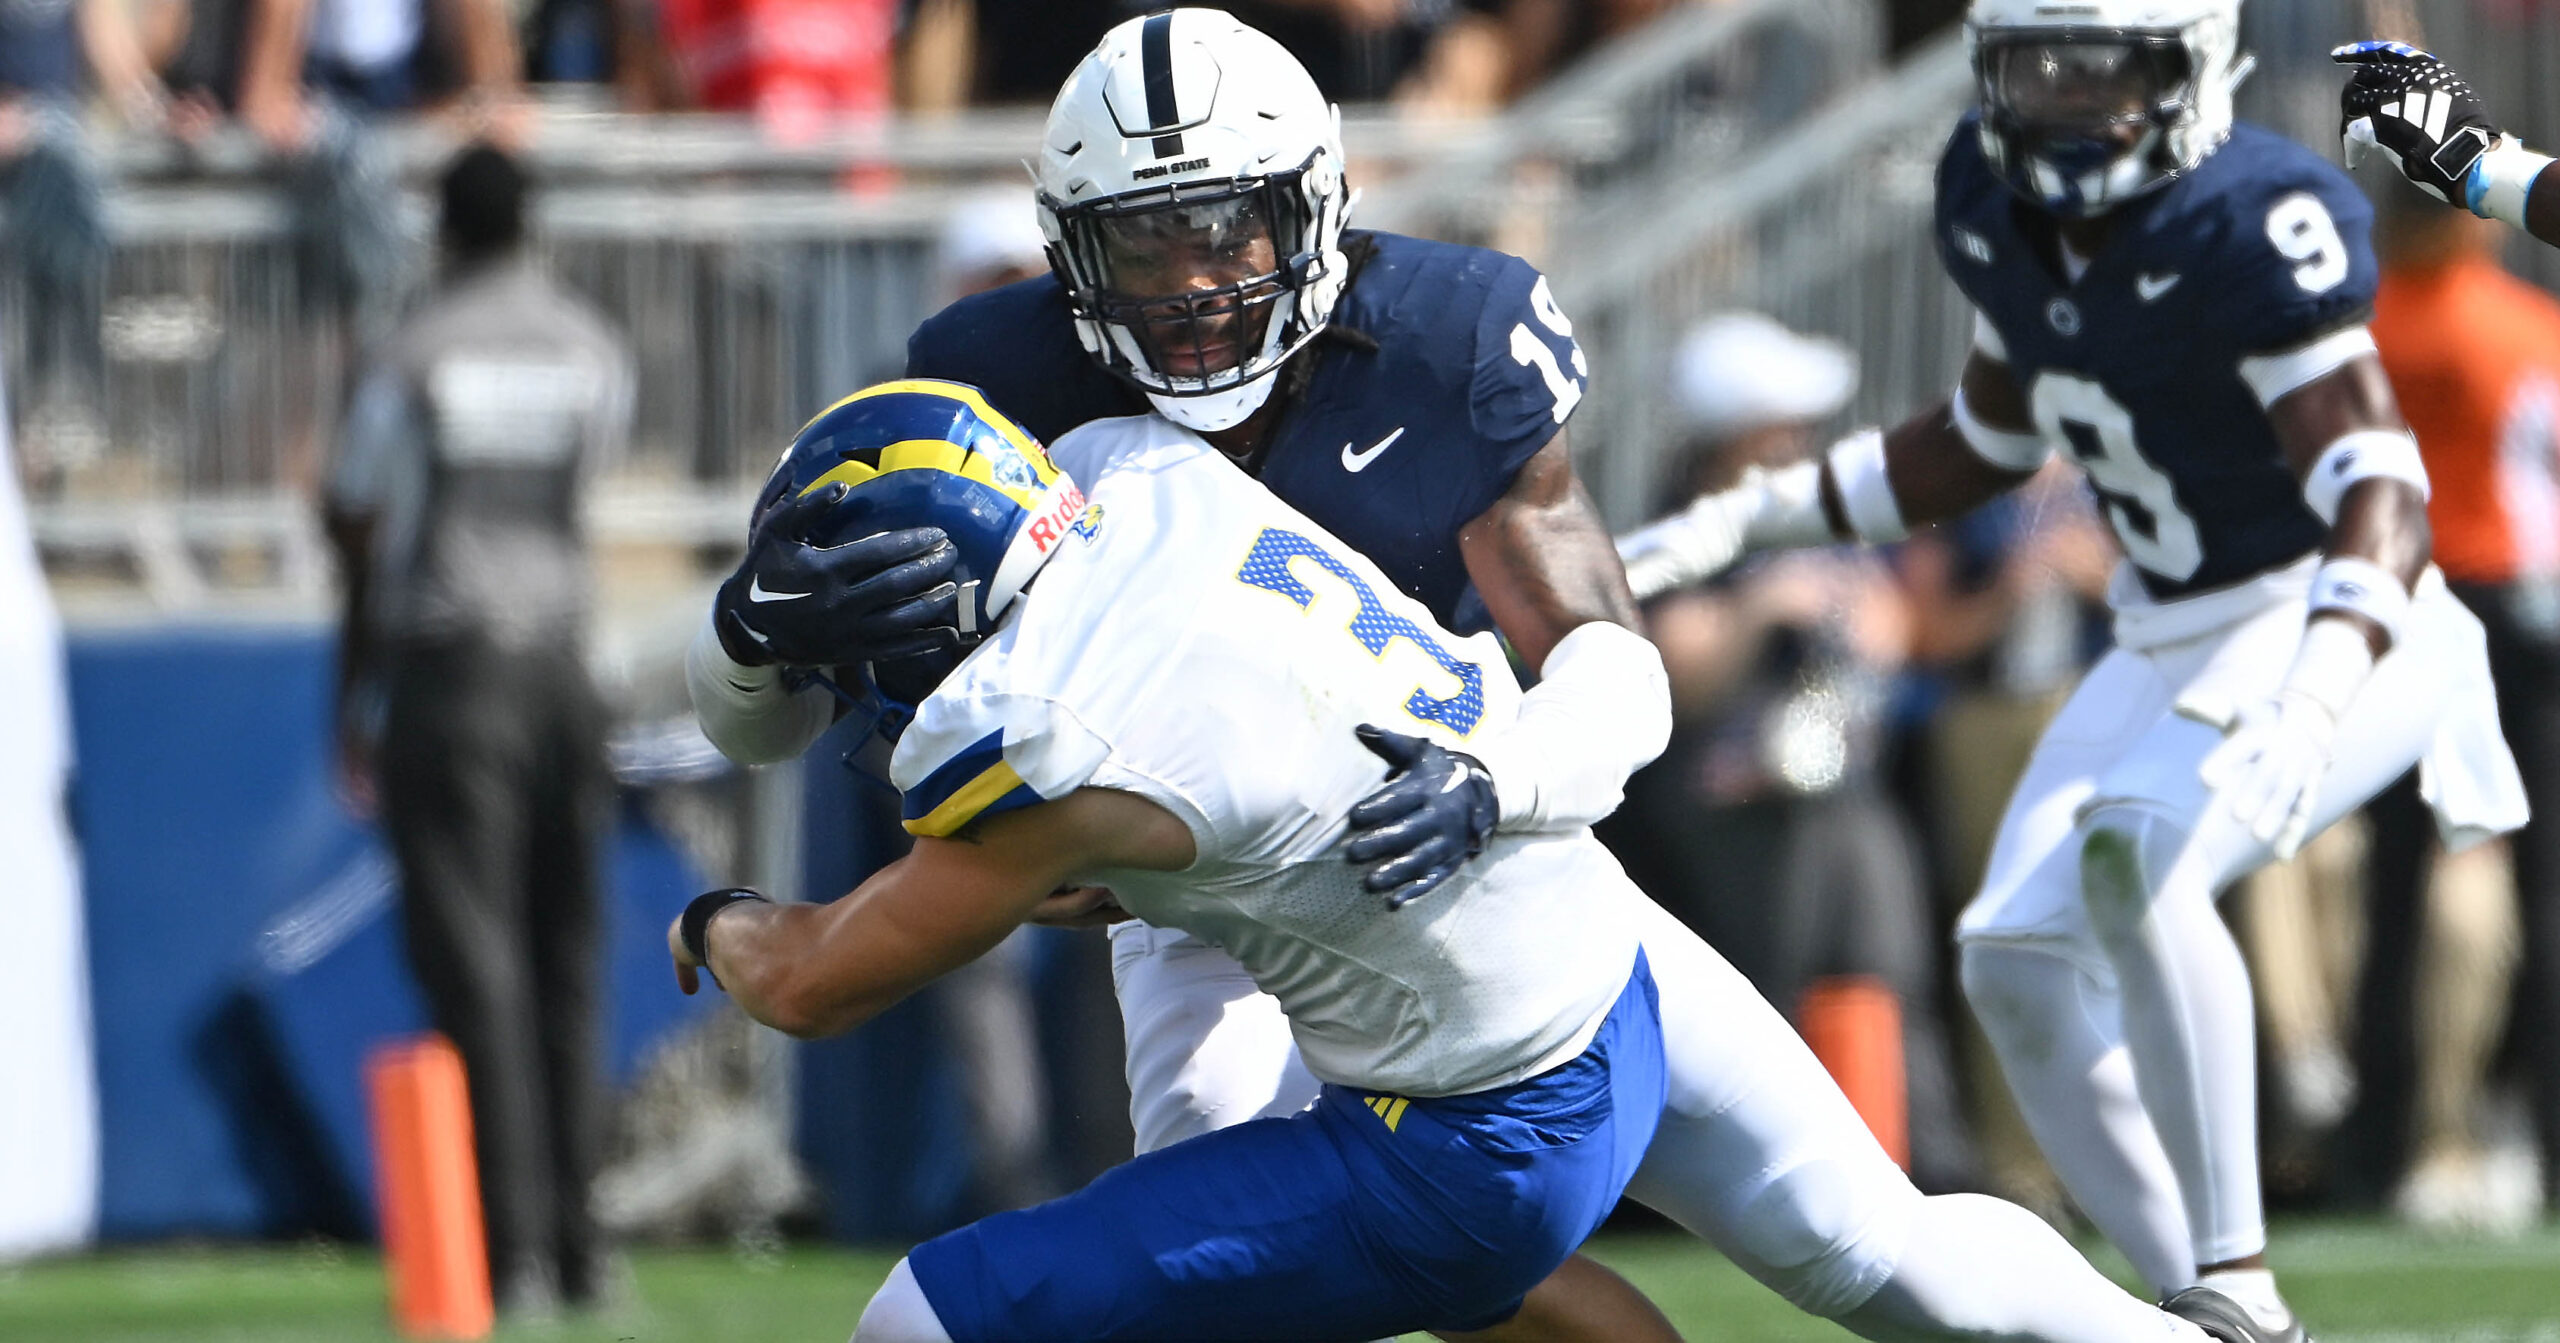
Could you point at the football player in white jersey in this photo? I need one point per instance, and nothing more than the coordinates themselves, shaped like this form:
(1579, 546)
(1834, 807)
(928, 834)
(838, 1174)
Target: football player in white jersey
(1167, 698)
(2177, 302)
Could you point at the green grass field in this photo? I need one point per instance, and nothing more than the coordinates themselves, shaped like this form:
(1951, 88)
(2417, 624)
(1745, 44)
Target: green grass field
(2356, 1282)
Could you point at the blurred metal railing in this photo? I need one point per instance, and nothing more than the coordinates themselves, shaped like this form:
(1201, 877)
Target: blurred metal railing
(1697, 86)
(1825, 226)
(178, 442)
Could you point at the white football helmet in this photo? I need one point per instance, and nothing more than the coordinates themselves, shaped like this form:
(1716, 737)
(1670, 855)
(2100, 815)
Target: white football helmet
(2087, 104)
(1191, 188)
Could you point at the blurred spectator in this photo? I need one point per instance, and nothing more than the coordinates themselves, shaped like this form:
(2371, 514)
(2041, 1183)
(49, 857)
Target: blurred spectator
(62, 50)
(1357, 50)
(1001, 51)
(2007, 610)
(1765, 825)
(49, 1107)
(2474, 355)
(371, 56)
(1534, 39)
(1020, 51)
(53, 55)
(455, 512)
(794, 63)
(990, 239)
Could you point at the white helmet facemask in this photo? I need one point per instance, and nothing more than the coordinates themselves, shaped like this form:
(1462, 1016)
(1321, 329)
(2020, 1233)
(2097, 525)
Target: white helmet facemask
(1191, 188)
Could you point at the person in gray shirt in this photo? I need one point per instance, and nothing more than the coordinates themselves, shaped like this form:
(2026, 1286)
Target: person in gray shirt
(466, 716)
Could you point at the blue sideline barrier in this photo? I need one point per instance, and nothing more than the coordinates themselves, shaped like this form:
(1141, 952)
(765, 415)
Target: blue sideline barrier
(244, 952)
(230, 1097)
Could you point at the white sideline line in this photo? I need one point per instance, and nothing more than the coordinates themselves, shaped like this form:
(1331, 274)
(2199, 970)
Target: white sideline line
(2548, 1331)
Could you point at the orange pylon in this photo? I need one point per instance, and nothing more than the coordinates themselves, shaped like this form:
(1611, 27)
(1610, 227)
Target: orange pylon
(427, 1185)
(1854, 1024)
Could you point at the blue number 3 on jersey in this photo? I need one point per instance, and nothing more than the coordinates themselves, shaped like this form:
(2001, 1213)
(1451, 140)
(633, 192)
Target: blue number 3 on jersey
(1266, 566)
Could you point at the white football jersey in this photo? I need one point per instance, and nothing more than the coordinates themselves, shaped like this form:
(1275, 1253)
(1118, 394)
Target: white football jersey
(1202, 644)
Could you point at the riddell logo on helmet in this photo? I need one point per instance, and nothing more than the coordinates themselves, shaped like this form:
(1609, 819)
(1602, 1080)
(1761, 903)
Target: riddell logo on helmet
(1167, 169)
(1051, 526)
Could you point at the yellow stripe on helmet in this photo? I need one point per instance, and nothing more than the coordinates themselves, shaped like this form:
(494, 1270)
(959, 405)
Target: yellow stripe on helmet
(966, 395)
(929, 454)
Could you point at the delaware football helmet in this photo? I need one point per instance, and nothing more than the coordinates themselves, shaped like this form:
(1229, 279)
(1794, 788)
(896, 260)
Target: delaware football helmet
(2091, 103)
(1190, 184)
(922, 453)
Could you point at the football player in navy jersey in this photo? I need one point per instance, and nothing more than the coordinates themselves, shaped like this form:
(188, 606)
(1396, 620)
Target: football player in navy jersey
(2178, 304)
(2417, 110)
(1410, 397)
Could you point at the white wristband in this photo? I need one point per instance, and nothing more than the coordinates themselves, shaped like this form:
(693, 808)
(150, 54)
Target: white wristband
(2352, 583)
(2503, 178)
(2002, 448)
(1786, 513)
(2367, 454)
(1866, 492)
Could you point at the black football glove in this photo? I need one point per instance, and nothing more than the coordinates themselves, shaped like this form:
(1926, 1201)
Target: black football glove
(2418, 109)
(1432, 815)
(872, 599)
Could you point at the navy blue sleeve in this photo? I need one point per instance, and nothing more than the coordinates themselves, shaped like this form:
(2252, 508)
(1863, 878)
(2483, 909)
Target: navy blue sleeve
(2296, 257)
(1966, 191)
(1018, 345)
(1529, 371)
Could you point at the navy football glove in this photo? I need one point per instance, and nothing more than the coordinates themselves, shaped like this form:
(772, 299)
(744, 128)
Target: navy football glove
(873, 599)
(1432, 815)
(2414, 106)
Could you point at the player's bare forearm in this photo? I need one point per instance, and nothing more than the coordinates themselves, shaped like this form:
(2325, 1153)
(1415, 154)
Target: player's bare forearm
(816, 970)
(1936, 474)
(2542, 208)
(1541, 559)
(2380, 520)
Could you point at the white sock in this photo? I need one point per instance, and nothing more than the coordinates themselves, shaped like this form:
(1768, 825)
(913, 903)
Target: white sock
(2055, 1030)
(2255, 1290)
(1976, 1267)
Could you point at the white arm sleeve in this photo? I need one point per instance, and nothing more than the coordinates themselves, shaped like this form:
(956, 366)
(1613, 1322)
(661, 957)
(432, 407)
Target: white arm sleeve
(746, 711)
(1602, 712)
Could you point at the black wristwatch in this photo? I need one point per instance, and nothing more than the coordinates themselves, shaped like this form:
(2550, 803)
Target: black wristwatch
(697, 919)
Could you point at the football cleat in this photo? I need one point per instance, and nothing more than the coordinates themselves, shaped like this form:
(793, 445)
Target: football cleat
(2227, 1319)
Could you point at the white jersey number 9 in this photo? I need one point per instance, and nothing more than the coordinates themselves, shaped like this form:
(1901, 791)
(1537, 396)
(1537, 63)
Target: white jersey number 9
(2141, 503)
(2303, 231)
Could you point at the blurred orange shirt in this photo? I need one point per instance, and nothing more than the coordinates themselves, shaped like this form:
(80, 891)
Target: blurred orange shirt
(2474, 354)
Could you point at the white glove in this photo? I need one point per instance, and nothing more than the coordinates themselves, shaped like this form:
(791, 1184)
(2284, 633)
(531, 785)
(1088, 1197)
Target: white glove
(2275, 753)
(1765, 510)
(1690, 546)
(2270, 764)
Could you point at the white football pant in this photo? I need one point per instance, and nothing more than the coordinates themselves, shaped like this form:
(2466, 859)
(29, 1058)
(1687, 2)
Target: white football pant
(2107, 982)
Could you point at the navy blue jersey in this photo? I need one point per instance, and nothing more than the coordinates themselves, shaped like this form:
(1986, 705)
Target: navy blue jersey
(1393, 444)
(2136, 366)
